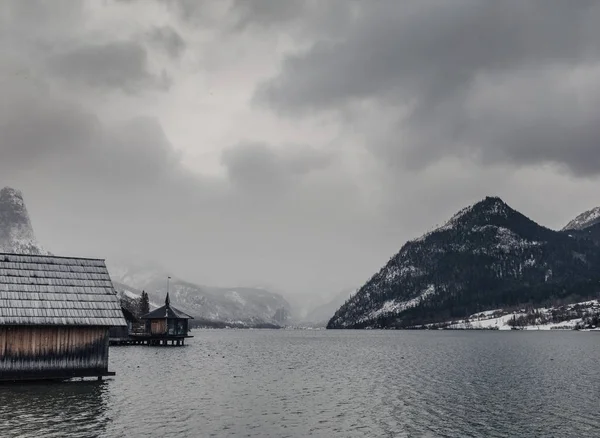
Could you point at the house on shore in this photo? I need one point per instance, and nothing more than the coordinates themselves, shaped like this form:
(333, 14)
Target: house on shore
(166, 324)
(55, 315)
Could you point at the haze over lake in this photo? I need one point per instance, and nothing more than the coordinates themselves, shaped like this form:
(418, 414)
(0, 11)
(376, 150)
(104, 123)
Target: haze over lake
(251, 383)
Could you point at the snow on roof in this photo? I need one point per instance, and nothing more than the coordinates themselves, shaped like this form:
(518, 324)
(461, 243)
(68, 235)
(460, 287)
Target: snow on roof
(49, 290)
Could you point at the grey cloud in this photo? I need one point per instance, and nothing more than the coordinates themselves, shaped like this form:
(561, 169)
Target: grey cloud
(263, 169)
(425, 49)
(269, 12)
(40, 15)
(116, 65)
(302, 20)
(425, 83)
(426, 58)
(111, 190)
(168, 39)
(240, 13)
(37, 129)
(65, 142)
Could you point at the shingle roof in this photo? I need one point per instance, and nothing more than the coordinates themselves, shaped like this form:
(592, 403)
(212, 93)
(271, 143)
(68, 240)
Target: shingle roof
(167, 311)
(49, 290)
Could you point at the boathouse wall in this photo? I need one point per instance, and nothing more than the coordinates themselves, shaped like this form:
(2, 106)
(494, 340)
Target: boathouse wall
(53, 351)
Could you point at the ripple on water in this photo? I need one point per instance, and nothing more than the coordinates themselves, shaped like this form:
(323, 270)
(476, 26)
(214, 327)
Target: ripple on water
(348, 384)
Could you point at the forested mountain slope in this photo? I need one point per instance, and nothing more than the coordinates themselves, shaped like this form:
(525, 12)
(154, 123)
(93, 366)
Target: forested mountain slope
(487, 256)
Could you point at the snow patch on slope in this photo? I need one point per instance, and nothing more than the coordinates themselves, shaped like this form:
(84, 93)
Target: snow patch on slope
(393, 306)
(584, 220)
(498, 319)
(507, 239)
(493, 207)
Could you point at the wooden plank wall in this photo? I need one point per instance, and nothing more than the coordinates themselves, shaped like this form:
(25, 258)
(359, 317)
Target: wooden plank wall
(159, 326)
(33, 349)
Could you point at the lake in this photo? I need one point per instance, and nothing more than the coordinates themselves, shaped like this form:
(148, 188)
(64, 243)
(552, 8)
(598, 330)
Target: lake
(276, 383)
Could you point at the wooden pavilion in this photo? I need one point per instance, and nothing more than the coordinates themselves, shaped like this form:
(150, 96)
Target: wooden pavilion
(55, 315)
(166, 324)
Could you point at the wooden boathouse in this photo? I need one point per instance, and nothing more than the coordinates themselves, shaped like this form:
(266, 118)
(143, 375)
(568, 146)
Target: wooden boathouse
(165, 325)
(55, 315)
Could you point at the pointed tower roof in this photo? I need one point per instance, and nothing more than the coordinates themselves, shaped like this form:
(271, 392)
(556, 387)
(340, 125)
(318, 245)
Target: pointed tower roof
(167, 311)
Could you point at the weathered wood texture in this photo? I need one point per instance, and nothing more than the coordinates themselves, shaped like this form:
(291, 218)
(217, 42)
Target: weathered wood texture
(158, 326)
(46, 351)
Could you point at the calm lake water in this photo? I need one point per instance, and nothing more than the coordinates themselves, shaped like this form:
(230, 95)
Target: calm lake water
(244, 383)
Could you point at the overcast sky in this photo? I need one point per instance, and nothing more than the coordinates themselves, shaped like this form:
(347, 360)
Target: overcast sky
(295, 144)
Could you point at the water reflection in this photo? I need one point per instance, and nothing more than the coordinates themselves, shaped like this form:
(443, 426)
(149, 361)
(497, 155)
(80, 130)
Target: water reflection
(74, 409)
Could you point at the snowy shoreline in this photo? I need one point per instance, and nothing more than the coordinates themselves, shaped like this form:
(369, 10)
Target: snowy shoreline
(577, 316)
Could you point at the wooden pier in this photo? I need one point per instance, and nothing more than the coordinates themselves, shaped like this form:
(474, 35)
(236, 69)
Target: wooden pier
(150, 340)
(165, 326)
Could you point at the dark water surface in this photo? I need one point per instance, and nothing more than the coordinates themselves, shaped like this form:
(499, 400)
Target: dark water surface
(244, 383)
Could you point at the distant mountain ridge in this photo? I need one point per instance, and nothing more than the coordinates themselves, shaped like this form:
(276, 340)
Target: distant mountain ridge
(320, 315)
(16, 232)
(487, 256)
(243, 305)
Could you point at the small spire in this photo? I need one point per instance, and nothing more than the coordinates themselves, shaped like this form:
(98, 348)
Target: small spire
(167, 300)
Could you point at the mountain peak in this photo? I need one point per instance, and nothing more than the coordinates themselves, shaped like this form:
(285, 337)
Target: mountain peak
(484, 212)
(16, 232)
(492, 204)
(584, 220)
(14, 196)
(488, 256)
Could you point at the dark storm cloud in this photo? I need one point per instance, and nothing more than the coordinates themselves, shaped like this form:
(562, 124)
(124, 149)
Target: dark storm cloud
(35, 129)
(426, 58)
(168, 39)
(61, 143)
(116, 65)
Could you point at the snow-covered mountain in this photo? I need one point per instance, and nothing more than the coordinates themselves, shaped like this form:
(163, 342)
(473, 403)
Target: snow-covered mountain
(250, 306)
(16, 232)
(584, 220)
(488, 256)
